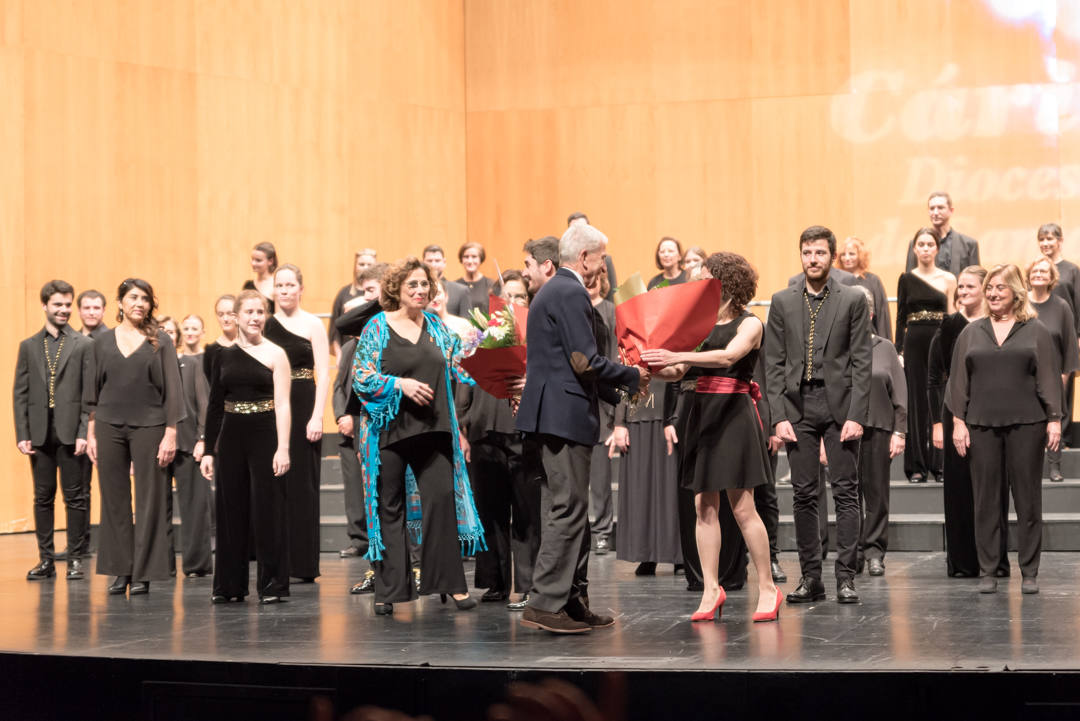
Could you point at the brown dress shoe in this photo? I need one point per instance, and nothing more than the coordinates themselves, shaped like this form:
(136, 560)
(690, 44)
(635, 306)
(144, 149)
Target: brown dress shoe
(580, 612)
(554, 622)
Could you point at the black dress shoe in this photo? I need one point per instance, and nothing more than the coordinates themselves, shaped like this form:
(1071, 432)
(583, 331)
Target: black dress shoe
(645, 568)
(988, 584)
(218, 598)
(876, 567)
(45, 569)
(494, 595)
(75, 570)
(917, 478)
(1056, 476)
(1004, 572)
(808, 591)
(778, 575)
(845, 592)
(383, 609)
(365, 586)
(140, 589)
(519, 605)
(63, 555)
(350, 552)
(197, 574)
(602, 546)
(463, 604)
(119, 585)
(553, 622)
(267, 600)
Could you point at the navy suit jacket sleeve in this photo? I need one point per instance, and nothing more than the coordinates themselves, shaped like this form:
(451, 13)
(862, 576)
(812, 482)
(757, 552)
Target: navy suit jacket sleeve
(576, 330)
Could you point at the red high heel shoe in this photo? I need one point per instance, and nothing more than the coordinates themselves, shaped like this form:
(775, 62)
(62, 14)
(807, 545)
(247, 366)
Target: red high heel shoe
(773, 614)
(717, 610)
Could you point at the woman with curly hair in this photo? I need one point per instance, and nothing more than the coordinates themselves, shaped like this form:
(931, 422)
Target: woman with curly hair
(403, 373)
(727, 452)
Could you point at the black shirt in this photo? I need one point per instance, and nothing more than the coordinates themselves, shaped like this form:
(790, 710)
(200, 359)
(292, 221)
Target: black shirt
(196, 396)
(343, 296)
(424, 362)
(1014, 383)
(142, 389)
(888, 389)
(238, 376)
(478, 291)
(815, 301)
(1068, 287)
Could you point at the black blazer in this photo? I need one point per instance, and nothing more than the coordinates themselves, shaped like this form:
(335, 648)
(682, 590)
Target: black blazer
(847, 353)
(555, 400)
(31, 393)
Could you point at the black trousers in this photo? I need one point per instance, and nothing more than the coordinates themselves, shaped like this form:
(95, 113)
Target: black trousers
(193, 496)
(139, 549)
(817, 425)
(248, 494)
(86, 473)
(430, 456)
(46, 461)
(561, 573)
(1008, 457)
(508, 500)
(353, 476)
(874, 464)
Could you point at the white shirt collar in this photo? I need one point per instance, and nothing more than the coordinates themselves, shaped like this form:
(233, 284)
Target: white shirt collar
(577, 275)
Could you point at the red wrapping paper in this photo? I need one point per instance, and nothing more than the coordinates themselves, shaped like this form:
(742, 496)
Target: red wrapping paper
(494, 368)
(676, 318)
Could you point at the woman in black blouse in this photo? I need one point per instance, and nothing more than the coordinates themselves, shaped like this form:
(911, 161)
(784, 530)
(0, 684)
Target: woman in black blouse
(669, 260)
(1005, 395)
(853, 257)
(1057, 316)
(472, 256)
(264, 262)
(249, 406)
(135, 400)
(226, 318)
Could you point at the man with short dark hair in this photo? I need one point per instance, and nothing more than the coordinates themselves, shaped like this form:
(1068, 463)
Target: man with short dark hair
(956, 251)
(541, 262)
(457, 295)
(817, 360)
(91, 305)
(50, 424)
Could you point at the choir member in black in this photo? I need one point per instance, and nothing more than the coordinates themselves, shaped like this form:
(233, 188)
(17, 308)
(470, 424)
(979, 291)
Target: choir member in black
(669, 260)
(192, 490)
(1004, 392)
(883, 439)
(855, 258)
(1068, 287)
(693, 258)
(303, 338)
(403, 370)
(457, 295)
(471, 256)
(226, 318)
(603, 514)
(91, 306)
(135, 397)
(726, 453)
(51, 425)
(1054, 312)
(507, 494)
(923, 299)
(264, 263)
(363, 259)
(961, 560)
(247, 441)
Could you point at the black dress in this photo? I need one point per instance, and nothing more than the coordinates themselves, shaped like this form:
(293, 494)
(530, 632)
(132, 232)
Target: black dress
(659, 280)
(920, 309)
(250, 285)
(247, 492)
(727, 447)
(882, 323)
(302, 480)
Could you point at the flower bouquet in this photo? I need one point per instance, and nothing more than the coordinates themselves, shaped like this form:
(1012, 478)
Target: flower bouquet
(499, 355)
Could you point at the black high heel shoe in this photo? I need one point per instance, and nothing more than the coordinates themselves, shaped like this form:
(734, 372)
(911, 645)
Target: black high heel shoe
(140, 589)
(218, 598)
(119, 585)
(463, 604)
(384, 609)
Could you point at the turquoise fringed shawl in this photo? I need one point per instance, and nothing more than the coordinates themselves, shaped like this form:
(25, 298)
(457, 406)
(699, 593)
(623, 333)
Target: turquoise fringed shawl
(380, 396)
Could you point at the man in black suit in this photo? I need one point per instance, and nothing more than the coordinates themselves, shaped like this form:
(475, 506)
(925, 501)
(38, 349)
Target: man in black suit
(956, 250)
(817, 360)
(91, 306)
(50, 424)
(457, 295)
(565, 373)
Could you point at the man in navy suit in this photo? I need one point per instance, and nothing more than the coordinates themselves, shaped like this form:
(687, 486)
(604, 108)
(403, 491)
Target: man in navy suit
(564, 376)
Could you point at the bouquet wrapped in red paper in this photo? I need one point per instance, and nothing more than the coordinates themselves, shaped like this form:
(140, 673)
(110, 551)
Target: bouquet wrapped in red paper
(499, 357)
(676, 317)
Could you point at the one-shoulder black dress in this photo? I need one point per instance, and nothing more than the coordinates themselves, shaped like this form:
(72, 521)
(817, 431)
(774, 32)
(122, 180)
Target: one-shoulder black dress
(920, 308)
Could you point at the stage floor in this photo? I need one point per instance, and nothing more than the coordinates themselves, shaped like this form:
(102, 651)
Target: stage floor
(914, 618)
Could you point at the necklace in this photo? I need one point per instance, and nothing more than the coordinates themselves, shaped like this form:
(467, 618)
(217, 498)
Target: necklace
(52, 363)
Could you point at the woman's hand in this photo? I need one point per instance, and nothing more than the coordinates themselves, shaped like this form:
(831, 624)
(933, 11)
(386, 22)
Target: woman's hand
(417, 392)
(167, 448)
(671, 438)
(206, 467)
(1053, 435)
(937, 436)
(314, 430)
(91, 448)
(962, 439)
(281, 461)
(619, 441)
(658, 357)
(198, 451)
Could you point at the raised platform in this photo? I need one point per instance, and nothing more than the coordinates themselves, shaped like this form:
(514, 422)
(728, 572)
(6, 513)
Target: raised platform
(919, 645)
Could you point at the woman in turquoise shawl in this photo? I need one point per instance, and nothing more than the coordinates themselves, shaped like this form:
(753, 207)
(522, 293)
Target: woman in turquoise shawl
(403, 373)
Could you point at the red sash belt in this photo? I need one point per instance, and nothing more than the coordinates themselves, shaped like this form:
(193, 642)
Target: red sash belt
(724, 384)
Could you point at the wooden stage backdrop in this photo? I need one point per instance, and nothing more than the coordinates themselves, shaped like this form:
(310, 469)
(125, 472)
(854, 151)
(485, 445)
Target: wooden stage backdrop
(163, 139)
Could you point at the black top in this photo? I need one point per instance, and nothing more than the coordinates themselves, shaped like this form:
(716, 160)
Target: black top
(196, 396)
(143, 389)
(297, 348)
(250, 285)
(97, 331)
(913, 294)
(211, 353)
(1017, 382)
(659, 278)
(1068, 287)
(888, 389)
(343, 296)
(238, 376)
(424, 362)
(814, 345)
(940, 360)
(1058, 318)
(478, 291)
(719, 337)
(882, 322)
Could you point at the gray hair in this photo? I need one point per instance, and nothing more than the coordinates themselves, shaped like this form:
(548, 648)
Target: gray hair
(578, 237)
(869, 298)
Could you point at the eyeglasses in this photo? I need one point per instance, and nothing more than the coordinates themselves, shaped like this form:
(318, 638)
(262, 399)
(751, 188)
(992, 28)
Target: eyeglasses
(414, 284)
